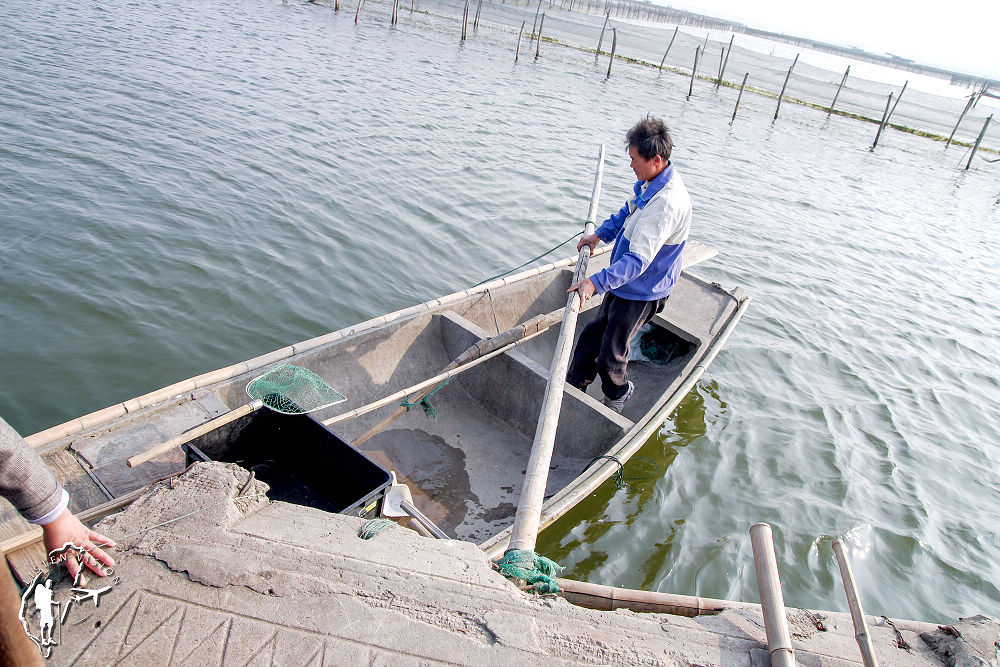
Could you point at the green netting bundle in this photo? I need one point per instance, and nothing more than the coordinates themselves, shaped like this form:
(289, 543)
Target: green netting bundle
(293, 390)
(531, 568)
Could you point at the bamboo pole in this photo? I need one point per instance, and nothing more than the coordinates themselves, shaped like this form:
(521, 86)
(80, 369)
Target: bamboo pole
(600, 40)
(614, 47)
(837, 94)
(979, 139)
(694, 68)
(881, 126)
(896, 104)
(465, 20)
(739, 97)
(538, 44)
(517, 51)
(357, 12)
(785, 85)
(195, 432)
(529, 508)
(609, 598)
(664, 59)
(854, 603)
(479, 9)
(779, 641)
(968, 105)
(722, 71)
(395, 12)
(534, 24)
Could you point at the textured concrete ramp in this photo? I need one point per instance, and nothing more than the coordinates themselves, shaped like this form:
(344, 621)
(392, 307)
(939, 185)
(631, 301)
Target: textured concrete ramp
(238, 580)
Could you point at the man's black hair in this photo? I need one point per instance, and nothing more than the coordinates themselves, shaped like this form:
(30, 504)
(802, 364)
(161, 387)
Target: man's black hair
(651, 137)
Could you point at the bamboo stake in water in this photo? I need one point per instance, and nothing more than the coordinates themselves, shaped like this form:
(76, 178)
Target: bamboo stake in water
(664, 59)
(854, 604)
(785, 85)
(968, 105)
(475, 22)
(772, 604)
(517, 52)
(979, 139)
(357, 12)
(881, 126)
(739, 97)
(600, 40)
(722, 71)
(529, 508)
(614, 47)
(842, 82)
(694, 68)
(465, 19)
(896, 104)
(538, 44)
(534, 24)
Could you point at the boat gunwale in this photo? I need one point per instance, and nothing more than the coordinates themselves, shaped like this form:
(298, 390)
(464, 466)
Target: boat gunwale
(103, 416)
(594, 475)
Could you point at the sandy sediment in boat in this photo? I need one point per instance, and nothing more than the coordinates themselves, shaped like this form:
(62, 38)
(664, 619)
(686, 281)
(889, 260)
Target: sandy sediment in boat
(242, 580)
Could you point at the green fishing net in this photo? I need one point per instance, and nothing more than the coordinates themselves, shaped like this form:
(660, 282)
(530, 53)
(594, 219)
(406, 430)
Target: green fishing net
(293, 390)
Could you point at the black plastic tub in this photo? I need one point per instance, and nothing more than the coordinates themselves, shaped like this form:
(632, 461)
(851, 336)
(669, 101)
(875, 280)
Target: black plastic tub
(302, 461)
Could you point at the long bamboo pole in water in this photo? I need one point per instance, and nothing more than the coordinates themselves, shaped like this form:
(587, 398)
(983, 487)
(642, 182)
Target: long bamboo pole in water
(881, 126)
(979, 140)
(854, 603)
(529, 508)
(772, 604)
(538, 44)
(837, 94)
(600, 40)
(694, 69)
(664, 59)
(739, 97)
(614, 47)
(781, 95)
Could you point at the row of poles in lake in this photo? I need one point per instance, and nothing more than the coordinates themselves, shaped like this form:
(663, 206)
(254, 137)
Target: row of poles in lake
(538, 25)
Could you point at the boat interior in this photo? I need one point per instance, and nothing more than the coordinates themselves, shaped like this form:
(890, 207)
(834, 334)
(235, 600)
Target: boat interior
(463, 453)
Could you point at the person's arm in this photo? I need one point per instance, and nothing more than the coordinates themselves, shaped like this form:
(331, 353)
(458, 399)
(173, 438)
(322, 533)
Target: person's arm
(35, 493)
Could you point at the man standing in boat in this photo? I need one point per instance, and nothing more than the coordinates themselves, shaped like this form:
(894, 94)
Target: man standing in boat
(649, 233)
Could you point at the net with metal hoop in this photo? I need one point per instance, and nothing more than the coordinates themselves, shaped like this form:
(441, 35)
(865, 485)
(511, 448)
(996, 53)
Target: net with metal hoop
(293, 390)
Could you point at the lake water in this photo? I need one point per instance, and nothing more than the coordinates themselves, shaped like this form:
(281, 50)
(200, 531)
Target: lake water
(186, 185)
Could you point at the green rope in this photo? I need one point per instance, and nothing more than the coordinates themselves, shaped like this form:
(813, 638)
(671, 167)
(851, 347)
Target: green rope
(373, 527)
(425, 402)
(538, 571)
(619, 476)
(533, 259)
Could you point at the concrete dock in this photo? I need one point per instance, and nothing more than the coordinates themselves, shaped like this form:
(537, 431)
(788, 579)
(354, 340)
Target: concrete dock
(235, 579)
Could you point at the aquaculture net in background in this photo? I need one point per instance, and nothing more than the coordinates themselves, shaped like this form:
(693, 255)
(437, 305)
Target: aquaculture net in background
(578, 23)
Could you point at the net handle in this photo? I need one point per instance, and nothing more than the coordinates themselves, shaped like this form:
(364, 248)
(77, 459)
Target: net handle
(196, 432)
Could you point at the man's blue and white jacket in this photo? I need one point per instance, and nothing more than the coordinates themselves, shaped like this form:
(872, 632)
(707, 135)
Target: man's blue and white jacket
(649, 234)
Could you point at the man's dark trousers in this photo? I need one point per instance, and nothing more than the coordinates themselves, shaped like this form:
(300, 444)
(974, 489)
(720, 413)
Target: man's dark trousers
(603, 346)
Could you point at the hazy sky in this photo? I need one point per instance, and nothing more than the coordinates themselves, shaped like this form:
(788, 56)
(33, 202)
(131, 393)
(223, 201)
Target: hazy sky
(963, 35)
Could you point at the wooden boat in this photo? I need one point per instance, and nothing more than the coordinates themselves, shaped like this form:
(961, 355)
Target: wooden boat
(465, 467)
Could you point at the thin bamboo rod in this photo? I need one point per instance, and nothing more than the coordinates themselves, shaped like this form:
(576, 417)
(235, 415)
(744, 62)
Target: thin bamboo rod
(538, 44)
(881, 126)
(779, 640)
(357, 12)
(614, 47)
(896, 104)
(529, 508)
(465, 20)
(854, 603)
(968, 105)
(979, 140)
(837, 94)
(534, 24)
(600, 40)
(664, 59)
(479, 9)
(785, 85)
(722, 71)
(739, 97)
(517, 52)
(694, 68)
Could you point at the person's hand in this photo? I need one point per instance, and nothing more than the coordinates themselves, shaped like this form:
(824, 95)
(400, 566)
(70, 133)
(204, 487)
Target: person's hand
(67, 528)
(589, 240)
(585, 288)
